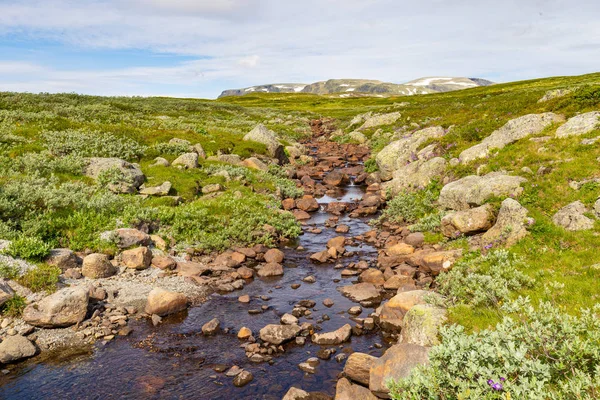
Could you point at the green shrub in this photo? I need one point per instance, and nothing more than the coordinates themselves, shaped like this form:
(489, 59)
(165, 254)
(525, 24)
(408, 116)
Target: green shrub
(483, 280)
(532, 354)
(41, 278)
(88, 143)
(408, 207)
(14, 306)
(587, 96)
(371, 166)
(169, 148)
(428, 223)
(8, 271)
(28, 248)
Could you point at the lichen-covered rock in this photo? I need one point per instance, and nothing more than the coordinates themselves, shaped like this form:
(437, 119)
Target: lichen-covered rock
(421, 324)
(187, 160)
(262, 134)
(398, 153)
(161, 190)
(466, 222)
(416, 175)
(131, 176)
(198, 149)
(397, 362)
(474, 190)
(554, 94)
(64, 308)
(511, 225)
(380, 119)
(393, 311)
(15, 348)
(513, 130)
(579, 125)
(163, 302)
(572, 218)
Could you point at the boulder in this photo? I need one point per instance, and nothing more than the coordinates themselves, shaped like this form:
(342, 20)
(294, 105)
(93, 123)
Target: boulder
(416, 175)
(96, 266)
(277, 334)
(296, 394)
(226, 158)
(187, 160)
(513, 130)
(358, 367)
(300, 215)
(421, 325)
(572, 218)
(128, 237)
(163, 262)
(198, 149)
(288, 204)
(335, 178)
(579, 125)
(161, 162)
(307, 203)
(415, 239)
(320, 257)
(64, 308)
(161, 190)
(393, 311)
(358, 137)
(15, 348)
(270, 269)
(138, 258)
(475, 190)
(243, 378)
(511, 225)
(255, 163)
(63, 259)
(163, 302)
(6, 292)
(397, 363)
(131, 176)
(434, 263)
(336, 337)
(467, 222)
(361, 292)
(380, 119)
(345, 390)
(288, 319)
(212, 188)
(400, 152)
(262, 134)
(373, 276)
(400, 249)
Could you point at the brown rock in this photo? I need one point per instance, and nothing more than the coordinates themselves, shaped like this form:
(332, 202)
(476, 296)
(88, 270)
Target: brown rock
(163, 302)
(373, 276)
(335, 178)
(400, 249)
(245, 272)
(321, 256)
(397, 362)
(415, 239)
(358, 366)
(244, 333)
(301, 215)
(270, 269)
(274, 256)
(288, 204)
(396, 282)
(337, 243)
(128, 237)
(63, 259)
(361, 292)
(345, 390)
(163, 262)
(394, 309)
(138, 258)
(97, 266)
(307, 203)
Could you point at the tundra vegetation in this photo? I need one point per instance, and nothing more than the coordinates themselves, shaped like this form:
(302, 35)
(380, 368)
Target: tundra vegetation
(523, 321)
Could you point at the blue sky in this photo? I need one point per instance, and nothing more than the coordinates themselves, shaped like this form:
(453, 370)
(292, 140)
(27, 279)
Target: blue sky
(197, 48)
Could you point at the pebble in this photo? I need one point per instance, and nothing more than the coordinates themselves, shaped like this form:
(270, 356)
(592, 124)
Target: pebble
(295, 286)
(244, 299)
(310, 279)
(328, 302)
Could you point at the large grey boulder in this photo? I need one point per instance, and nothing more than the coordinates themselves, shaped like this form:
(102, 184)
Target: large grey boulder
(131, 174)
(15, 348)
(466, 222)
(64, 308)
(513, 130)
(397, 362)
(380, 119)
(572, 218)
(187, 160)
(400, 152)
(511, 224)
(474, 190)
(264, 135)
(421, 325)
(277, 334)
(579, 125)
(416, 175)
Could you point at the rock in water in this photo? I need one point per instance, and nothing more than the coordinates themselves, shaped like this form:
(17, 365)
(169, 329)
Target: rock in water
(336, 337)
(162, 302)
(277, 334)
(243, 378)
(361, 292)
(296, 394)
(15, 348)
(64, 308)
(97, 266)
(211, 327)
(262, 134)
(397, 362)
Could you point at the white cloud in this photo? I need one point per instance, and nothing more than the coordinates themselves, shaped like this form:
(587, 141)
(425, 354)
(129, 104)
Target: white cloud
(248, 42)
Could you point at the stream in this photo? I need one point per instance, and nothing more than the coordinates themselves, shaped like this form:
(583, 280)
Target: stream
(174, 360)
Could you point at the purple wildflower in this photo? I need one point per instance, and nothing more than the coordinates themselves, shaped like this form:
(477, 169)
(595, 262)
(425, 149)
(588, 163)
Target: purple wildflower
(490, 382)
(497, 386)
(487, 247)
(502, 378)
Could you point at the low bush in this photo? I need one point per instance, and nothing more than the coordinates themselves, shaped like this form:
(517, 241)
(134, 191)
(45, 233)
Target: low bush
(88, 143)
(532, 354)
(408, 207)
(28, 248)
(14, 306)
(41, 278)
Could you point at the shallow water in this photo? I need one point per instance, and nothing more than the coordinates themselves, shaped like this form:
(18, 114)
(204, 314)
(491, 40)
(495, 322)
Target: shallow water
(177, 361)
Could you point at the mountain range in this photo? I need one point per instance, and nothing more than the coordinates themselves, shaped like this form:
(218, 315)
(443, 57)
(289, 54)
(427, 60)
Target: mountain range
(354, 87)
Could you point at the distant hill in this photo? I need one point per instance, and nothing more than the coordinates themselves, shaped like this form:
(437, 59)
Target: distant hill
(350, 87)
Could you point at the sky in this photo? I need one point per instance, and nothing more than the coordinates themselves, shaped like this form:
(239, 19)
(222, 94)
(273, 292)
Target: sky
(197, 48)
